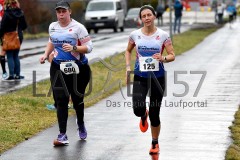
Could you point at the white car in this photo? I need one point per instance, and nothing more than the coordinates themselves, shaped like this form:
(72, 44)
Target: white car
(104, 14)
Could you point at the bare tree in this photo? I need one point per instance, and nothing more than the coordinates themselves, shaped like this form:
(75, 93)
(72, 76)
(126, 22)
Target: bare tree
(35, 13)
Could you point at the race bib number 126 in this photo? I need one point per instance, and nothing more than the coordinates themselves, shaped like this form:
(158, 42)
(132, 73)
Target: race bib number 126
(148, 64)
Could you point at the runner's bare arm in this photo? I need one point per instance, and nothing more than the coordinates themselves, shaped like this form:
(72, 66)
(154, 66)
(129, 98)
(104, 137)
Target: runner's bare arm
(169, 58)
(128, 60)
(79, 49)
(170, 51)
(48, 50)
(128, 55)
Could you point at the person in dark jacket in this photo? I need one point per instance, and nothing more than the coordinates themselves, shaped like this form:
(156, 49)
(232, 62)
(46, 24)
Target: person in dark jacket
(13, 18)
(178, 7)
(160, 10)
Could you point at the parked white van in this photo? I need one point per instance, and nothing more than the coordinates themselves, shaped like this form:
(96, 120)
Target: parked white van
(104, 14)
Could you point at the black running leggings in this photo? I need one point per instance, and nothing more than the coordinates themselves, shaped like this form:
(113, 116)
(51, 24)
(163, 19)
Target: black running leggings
(156, 87)
(69, 85)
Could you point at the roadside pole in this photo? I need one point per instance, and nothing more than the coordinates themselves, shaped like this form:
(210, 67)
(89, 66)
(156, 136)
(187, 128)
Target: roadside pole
(170, 19)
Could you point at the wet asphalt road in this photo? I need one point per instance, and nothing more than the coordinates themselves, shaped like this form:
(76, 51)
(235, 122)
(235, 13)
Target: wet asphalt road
(197, 132)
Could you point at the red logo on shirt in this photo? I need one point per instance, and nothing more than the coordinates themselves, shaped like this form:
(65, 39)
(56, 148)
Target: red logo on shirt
(158, 38)
(70, 30)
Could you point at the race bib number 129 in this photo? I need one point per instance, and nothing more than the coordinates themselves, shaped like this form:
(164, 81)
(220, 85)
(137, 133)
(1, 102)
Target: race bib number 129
(148, 64)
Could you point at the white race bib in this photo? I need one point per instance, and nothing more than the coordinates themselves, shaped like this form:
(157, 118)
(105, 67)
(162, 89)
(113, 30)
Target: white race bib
(69, 67)
(148, 64)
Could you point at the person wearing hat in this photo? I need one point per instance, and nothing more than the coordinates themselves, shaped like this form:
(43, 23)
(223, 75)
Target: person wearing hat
(69, 71)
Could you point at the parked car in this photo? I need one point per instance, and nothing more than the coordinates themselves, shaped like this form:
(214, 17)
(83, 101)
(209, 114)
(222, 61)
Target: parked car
(105, 14)
(132, 19)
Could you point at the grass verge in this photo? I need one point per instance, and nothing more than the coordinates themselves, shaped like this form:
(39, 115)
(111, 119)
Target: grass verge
(233, 152)
(24, 115)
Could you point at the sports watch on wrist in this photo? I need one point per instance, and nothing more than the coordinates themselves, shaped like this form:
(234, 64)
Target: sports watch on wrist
(74, 48)
(165, 59)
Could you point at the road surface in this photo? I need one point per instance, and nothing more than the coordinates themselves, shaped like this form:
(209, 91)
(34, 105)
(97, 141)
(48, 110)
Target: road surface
(196, 132)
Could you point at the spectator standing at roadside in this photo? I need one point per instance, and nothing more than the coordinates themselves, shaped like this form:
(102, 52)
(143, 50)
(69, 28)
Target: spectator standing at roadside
(13, 18)
(231, 9)
(69, 69)
(235, 12)
(160, 10)
(178, 7)
(3, 64)
(2, 53)
(220, 10)
(149, 74)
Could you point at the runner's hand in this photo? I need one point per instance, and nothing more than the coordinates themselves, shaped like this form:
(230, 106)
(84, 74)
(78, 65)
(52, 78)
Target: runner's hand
(158, 57)
(67, 47)
(42, 59)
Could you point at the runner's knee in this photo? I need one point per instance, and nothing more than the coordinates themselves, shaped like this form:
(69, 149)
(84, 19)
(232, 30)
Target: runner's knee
(139, 108)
